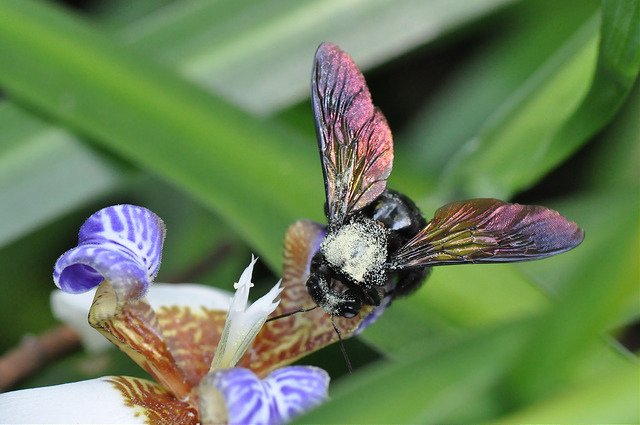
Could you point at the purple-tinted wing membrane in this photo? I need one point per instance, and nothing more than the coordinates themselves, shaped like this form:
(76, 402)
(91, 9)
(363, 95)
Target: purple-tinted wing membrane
(355, 143)
(488, 231)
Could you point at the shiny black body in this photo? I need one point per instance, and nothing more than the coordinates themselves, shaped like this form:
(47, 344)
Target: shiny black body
(393, 219)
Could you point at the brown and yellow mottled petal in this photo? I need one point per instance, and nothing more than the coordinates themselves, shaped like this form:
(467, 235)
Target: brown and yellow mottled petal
(154, 403)
(285, 340)
(134, 328)
(301, 241)
(192, 335)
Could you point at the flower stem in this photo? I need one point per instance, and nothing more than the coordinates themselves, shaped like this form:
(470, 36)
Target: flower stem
(34, 353)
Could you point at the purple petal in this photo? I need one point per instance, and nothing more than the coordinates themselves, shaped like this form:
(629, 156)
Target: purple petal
(121, 244)
(284, 394)
(374, 315)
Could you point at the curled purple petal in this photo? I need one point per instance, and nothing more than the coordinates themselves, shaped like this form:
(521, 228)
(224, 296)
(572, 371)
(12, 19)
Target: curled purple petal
(284, 394)
(121, 244)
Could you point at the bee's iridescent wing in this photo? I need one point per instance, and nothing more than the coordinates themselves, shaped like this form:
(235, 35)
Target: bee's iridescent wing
(355, 143)
(488, 231)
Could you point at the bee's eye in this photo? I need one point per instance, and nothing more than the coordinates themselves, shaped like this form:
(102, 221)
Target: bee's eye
(316, 262)
(350, 310)
(349, 314)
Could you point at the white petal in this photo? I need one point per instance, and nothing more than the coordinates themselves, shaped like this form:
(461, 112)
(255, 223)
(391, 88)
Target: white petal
(93, 401)
(265, 305)
(73, 309)
(245, 277)
(241, 296)
(241, 328)
(188, 295)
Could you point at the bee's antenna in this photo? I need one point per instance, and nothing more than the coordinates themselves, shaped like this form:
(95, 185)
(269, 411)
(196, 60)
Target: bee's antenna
(291, 313)
(344, 351)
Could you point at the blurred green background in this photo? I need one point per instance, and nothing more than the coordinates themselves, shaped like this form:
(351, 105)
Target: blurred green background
(199, 111)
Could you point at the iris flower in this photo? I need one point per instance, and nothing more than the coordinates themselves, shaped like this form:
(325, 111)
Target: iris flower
(214, 359)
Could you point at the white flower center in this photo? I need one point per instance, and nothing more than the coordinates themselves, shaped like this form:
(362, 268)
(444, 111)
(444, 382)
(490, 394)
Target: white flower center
(243, 324)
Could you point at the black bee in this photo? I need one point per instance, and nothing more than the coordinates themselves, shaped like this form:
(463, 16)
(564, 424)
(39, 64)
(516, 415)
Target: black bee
(378, 245)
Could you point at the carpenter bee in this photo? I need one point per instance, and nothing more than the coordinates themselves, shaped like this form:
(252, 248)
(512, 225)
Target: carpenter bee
(377, 245)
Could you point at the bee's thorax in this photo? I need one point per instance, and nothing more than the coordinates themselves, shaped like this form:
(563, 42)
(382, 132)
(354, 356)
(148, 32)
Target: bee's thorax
(357, 249)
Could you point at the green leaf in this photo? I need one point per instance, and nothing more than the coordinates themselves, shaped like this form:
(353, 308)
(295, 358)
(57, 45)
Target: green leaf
(195, 32)
(461, 379)
(615, 160)
(434, 386)
(198, 247)
(620, 261)
(529, 33)
(123, 13)
(39, 169)
(216, 153)
(616, 72)
(597, 290)
(556, 111)
(27, 266)
(611, 397)
(455, 299)
(498, 160)
(222, 44)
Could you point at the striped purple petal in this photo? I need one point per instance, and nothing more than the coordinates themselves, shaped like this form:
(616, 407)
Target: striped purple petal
(284, 394)
(121, 244)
